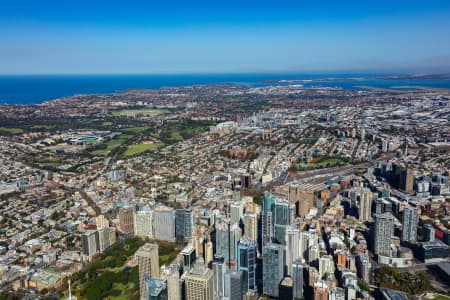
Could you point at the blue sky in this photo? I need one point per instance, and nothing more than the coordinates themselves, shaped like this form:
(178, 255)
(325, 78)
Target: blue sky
(89, 37)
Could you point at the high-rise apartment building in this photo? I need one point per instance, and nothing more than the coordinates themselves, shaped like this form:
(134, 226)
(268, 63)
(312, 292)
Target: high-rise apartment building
(365, 205)
(143, 223)
(89, 243)
(384, 230)
(409, 225)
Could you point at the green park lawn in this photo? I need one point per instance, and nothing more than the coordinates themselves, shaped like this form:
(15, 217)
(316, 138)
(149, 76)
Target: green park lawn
(112, 144)
(10, 131)
(136, 149)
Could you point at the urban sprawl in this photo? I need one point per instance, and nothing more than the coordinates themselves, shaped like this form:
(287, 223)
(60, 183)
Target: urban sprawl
(227, 192)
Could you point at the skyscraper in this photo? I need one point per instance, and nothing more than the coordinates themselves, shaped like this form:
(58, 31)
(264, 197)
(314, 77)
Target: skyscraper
(282, 215)
(302, 198)
(292, 247)
(126, 220)
(143, 225)
(184, 224)
(233, 285)
(364, 267)
(188, 254)
(428, 233)
(164, 223)
(173, 282)
(409, 225)
(247, 263)
(148, 262)
(102, 238)
(199, 283)
(297, 277)
(236, 211)
(384, 229)
(89, 242)
(251, 225)
(219, 270)
(227, 237)
(365, 205)
(267, 218)
(273, 268)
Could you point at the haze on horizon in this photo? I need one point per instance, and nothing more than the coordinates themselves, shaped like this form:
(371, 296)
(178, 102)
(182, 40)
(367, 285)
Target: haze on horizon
(112, 37)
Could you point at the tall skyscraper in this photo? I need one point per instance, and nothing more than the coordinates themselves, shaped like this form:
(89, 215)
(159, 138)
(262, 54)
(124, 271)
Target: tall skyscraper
(164, 223)
(143, 223)
(267, 218)
(89, 242)
(409, 180)
(126, 220)
(297, 277)
(148, 263)
(292, 247)
(247, 263)
(199, 283)
(282, 215)
(409, 225)
(365, 205)
(184, 224)
(273, 268)
(102, 237)
(227, 237)
(155, 289)
(219, 270)
(384, 230)
(251, 226)
(236, 211)
(173, 282)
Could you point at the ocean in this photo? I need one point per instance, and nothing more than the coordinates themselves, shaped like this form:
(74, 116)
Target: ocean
(34, 89)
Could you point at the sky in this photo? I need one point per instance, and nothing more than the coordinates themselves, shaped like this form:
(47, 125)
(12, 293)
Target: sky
(156, 37)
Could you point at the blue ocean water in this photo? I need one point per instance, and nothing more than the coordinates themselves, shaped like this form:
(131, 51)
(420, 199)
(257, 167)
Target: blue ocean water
(36, 89)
